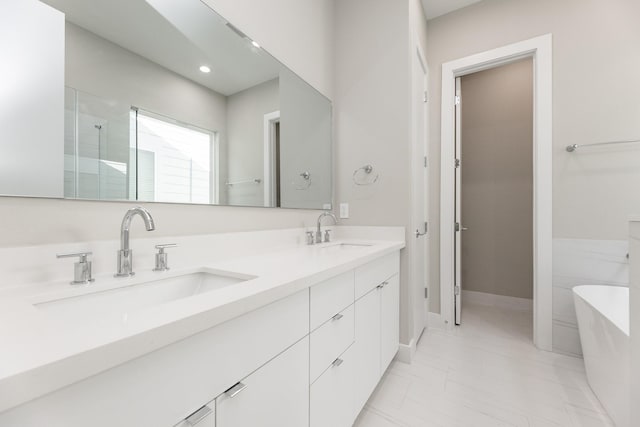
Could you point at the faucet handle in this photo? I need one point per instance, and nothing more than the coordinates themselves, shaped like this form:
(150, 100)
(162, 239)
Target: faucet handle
(327, 235)
(81, 255)
(310, 238)
(81, 269)
(162, 261)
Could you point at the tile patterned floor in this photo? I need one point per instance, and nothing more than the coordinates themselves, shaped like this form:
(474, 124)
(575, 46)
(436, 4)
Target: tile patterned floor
(485, 373)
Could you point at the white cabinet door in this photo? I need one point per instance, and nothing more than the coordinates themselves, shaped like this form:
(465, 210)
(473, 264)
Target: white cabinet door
(332, 394)
(276, 395)
(389, 321)
(367, 346)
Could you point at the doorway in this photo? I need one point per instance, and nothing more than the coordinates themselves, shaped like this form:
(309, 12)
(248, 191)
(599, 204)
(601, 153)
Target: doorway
(540, 50)
(272, 187)
(494, 190)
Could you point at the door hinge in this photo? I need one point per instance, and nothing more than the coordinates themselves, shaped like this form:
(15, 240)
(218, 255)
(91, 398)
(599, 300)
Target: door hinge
(426, 162)
(458, 100)
(457, 290)
(457, 163)
(426, 97)
(426, 293)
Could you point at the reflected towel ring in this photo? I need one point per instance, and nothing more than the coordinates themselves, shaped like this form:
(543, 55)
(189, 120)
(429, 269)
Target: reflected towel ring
(367, 169)
(306, 183)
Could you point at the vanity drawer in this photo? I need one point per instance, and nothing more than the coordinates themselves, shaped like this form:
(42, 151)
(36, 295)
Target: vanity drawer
(329, 298)
(330, 340)
(371, 275)
(331, 397)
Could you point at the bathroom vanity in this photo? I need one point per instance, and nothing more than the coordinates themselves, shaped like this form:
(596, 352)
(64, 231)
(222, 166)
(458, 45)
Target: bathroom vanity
(294, 337)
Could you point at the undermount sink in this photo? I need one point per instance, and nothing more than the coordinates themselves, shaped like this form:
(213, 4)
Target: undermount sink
(346, 246)
(125, 300)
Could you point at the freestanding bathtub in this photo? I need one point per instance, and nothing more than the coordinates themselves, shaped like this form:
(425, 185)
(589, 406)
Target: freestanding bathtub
(603, 322)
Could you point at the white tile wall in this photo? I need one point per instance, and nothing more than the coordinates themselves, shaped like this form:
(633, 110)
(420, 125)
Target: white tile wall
(582, 262)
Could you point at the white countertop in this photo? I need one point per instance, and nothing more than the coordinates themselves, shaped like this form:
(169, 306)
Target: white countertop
(41, 353)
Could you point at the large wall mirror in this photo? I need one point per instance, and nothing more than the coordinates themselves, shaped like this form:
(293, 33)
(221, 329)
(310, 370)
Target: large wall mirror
(154, 100)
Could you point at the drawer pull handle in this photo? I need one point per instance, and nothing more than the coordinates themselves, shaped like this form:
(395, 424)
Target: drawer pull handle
(199, 415)
(337, 362)
(233, 391)
(337, 316)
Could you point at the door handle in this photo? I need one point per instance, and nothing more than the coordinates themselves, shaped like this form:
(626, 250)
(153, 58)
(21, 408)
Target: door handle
(459, 227)
(426, 229)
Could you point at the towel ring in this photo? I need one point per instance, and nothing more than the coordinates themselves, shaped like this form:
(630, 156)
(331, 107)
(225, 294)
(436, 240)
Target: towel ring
(306, 181)
(367, 169)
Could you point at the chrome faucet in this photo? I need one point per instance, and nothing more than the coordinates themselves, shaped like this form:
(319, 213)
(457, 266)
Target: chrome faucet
(318, 230)
(125, 254)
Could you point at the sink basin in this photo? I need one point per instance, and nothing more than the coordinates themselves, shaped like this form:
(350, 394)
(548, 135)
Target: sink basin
(125, 300)
(347, 246)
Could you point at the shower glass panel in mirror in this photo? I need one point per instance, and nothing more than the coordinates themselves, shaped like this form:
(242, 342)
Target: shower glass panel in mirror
(156, 100)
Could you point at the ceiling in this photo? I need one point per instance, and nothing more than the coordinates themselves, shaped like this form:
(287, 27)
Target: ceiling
(180, 36)
(435, 8)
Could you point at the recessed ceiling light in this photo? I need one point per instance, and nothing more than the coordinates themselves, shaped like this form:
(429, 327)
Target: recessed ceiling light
(255, 44)
(205, 69)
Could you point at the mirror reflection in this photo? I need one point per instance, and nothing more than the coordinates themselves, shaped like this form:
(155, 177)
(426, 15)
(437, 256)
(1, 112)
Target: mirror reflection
(166, 101)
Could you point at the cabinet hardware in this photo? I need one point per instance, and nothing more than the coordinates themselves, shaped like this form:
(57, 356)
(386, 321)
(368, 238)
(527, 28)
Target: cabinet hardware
(337, 317)
(199, 415)
(233, 391)
(337, 362)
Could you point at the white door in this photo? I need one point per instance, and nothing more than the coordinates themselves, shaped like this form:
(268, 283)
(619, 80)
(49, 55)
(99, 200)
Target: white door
(458, 209)
(419, 193)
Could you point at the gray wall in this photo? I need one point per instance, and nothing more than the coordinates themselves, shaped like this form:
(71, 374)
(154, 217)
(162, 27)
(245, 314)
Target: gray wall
(596, 62)
(305, 128)
(245, 129)
(373, 117)
(497, 180)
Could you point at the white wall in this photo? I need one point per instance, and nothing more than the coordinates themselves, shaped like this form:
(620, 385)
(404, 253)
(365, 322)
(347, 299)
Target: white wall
(582, 262)
(32, 99)
(245, 136)
(34, 221)
(299, 33)
(372, 118)
(596, 60)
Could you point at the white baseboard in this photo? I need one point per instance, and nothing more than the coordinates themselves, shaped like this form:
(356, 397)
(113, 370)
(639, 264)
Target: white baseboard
(406, 352)
(483, 298)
